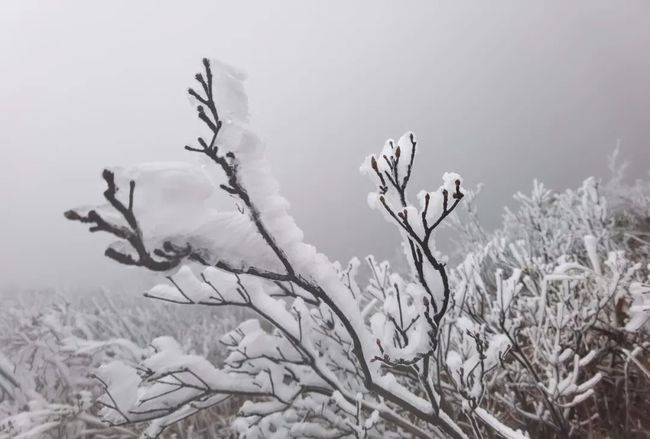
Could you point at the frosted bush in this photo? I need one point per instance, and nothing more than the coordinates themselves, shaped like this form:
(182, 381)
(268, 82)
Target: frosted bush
(521, 337)
(562, 283)
(51, 346)
(339, 358)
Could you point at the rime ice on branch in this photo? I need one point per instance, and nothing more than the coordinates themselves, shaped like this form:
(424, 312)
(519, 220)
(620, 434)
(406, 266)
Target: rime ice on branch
(341, 360)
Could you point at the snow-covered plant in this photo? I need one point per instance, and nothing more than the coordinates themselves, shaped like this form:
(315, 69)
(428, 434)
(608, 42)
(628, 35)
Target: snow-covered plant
(45, 390)
(51, 345)
(327, 357)
(631, 209)
(572, 299)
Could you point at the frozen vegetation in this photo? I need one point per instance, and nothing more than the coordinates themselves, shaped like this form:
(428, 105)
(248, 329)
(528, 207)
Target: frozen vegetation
(538, 329)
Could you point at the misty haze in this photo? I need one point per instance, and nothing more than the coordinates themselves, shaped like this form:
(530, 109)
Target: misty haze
(325, 220)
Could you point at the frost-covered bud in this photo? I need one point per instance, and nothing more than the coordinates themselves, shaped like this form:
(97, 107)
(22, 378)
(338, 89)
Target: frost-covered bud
(452, 181)
(431, 204)
(457, 194)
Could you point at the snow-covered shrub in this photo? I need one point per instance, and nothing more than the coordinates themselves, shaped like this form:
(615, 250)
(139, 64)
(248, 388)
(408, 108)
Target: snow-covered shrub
(51, 346)
(562, 283)
(329, 357)
(540, 329)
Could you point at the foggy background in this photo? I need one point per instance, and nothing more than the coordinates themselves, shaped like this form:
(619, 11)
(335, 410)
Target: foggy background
(502, 92)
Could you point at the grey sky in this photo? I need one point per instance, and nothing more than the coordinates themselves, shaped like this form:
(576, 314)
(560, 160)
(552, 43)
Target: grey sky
(502, 92)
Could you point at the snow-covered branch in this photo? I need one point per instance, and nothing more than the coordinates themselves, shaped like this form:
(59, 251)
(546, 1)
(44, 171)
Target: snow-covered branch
(499, 344)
